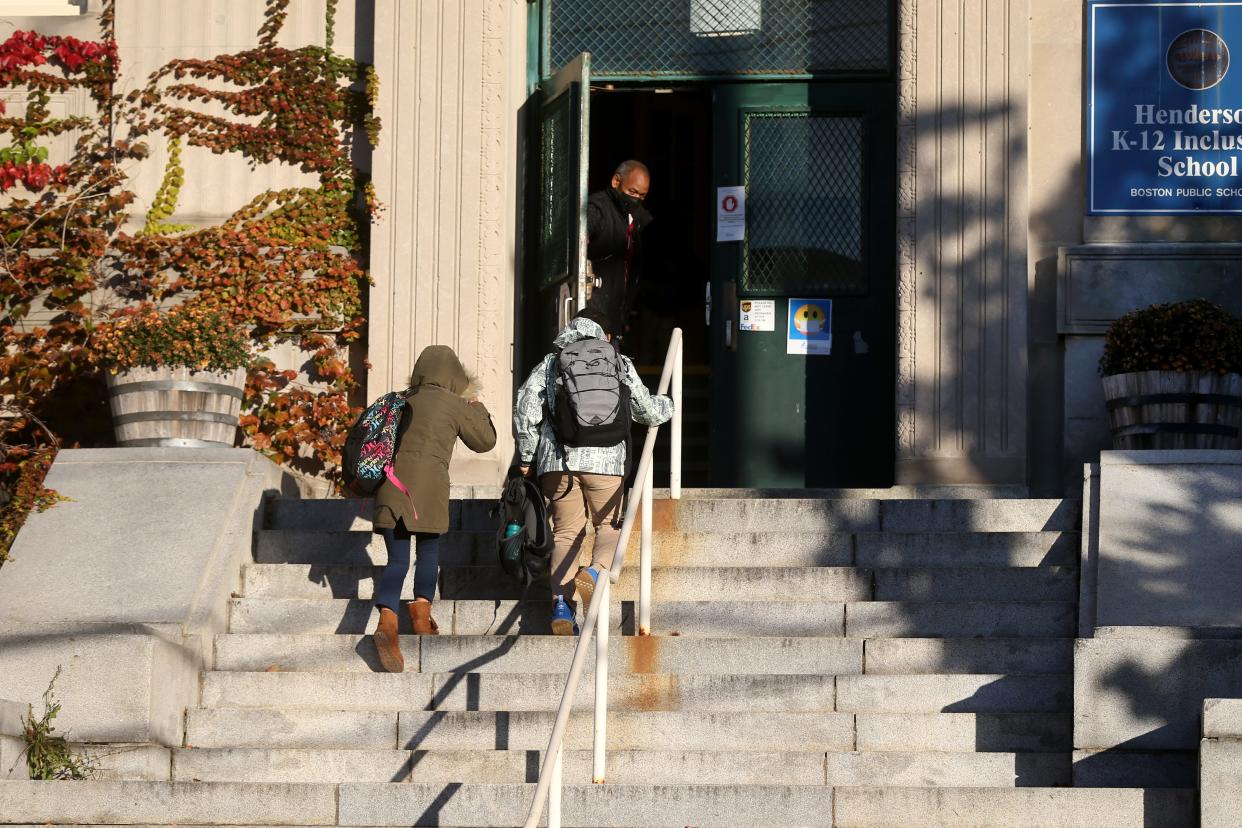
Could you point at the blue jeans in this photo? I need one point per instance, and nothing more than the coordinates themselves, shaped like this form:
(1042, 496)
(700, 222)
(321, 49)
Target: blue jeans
(426, 568)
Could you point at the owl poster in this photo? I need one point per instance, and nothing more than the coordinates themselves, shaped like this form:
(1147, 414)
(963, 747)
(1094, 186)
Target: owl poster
(810, 327)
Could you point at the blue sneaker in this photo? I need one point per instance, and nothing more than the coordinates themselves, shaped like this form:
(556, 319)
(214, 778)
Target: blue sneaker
(563, 618)
(584, 584)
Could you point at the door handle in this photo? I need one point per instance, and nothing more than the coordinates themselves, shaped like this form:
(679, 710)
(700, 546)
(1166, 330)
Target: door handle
(707, 307)
(730, 315)
(567, 313)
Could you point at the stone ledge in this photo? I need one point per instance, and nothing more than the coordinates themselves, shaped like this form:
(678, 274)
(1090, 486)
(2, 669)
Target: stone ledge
(1146, 694)
(1193, 457)
(1222, 718)
(1220, 763)
(125, 584)
(1171, 633)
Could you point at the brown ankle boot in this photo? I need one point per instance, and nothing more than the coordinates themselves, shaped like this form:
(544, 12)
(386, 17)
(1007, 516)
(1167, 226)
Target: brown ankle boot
(421, 620)
(386, 644)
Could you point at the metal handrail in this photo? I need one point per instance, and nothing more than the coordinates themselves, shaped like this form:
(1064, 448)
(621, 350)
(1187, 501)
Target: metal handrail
(596, 621)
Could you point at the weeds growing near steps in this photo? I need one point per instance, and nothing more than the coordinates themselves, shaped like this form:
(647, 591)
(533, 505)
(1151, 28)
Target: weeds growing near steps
(47, 754)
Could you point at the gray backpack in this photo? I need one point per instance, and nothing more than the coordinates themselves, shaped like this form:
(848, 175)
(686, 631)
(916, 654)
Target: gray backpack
(589, 403)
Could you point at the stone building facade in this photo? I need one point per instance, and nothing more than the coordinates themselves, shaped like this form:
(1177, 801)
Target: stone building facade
(1003, 283)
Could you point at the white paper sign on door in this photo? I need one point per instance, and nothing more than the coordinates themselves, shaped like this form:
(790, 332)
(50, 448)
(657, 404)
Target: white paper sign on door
(730, 213)
(757, 315)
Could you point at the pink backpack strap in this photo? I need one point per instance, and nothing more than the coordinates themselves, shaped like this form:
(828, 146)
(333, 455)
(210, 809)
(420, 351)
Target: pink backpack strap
(396, 481)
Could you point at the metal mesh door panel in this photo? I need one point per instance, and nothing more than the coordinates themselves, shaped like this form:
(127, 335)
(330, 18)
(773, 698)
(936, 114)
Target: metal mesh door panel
(637, 38)
(804, 203)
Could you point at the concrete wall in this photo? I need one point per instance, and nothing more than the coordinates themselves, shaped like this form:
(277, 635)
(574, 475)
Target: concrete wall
(149, 33)
(1220, 764)
(1160, 621)
(1089, 270)
(125, 585)
(962, 241)
(453, 75)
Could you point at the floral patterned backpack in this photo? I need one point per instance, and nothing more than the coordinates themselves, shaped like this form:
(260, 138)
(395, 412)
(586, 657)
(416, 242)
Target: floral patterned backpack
(371, 445)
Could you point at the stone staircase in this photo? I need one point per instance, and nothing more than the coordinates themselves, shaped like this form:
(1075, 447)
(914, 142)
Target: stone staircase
(816, 662)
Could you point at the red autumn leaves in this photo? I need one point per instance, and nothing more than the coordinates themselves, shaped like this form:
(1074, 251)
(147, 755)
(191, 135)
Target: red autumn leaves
(24, 49)
(18, 54)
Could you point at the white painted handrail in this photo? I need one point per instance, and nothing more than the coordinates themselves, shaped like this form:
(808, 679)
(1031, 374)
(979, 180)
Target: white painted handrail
(596, 621)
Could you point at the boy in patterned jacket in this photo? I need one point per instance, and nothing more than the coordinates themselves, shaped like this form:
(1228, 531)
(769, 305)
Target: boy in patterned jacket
(580, 482)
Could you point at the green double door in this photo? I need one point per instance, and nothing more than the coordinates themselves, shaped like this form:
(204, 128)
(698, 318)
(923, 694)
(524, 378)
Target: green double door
(817, 162)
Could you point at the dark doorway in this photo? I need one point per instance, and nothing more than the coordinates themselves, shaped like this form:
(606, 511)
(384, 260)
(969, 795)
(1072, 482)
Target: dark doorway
(670, 130)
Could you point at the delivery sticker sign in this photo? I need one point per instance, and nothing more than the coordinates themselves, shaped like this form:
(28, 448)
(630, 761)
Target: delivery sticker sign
(810, 327)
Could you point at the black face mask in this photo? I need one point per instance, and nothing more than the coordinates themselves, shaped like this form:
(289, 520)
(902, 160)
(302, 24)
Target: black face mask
(630, 205)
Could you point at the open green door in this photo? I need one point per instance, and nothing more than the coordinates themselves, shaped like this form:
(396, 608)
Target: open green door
(818, 165)
(555, 287)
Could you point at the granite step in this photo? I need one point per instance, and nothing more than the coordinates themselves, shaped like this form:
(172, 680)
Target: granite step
(711, 548)
(525, 654)
(515, 691)
(167, 803)
(697, 619)
(912, 619)
(708, 512)
(517, 730)
(1050, 583)
(591, 806)
(639, 691)
(628, 730)
(510, 766)
(883, 807)
(625, 767)
(690, 619)
(520, 655)
(668, 584)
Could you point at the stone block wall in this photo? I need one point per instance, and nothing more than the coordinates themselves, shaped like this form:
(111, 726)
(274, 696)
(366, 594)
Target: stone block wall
(1220, 764)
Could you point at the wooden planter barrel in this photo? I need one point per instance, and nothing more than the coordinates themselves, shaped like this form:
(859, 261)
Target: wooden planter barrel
(1174, 410)
(175, 407)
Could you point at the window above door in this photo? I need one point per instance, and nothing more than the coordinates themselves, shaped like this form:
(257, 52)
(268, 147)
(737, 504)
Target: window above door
(652, 39)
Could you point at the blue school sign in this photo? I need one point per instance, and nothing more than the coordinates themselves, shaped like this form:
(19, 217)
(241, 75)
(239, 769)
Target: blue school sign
(1164, 109)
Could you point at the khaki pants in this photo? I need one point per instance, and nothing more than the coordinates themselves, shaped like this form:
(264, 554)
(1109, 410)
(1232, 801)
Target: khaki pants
(572, 498)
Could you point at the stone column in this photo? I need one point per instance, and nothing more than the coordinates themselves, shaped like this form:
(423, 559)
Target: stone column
(451, 75)
(962, 248)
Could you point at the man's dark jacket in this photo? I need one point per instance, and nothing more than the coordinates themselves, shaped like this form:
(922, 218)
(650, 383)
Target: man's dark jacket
(606, 246)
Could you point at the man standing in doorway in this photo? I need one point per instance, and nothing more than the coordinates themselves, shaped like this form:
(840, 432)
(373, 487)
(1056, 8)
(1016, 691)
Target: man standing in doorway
(615, 219)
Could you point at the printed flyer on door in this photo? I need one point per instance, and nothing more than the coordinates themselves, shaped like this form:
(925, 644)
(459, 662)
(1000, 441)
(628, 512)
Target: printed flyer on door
(810, 327)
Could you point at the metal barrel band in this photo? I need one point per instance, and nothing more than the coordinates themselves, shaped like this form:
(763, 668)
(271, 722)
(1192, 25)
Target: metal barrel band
(1181, 397)
(183, 416)
(1175, 428)
(171, 442)
(176, 385)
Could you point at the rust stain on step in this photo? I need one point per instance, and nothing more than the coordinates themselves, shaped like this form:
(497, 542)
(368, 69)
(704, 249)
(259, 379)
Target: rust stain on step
(655, 692)
(644, 653)
(664, 515)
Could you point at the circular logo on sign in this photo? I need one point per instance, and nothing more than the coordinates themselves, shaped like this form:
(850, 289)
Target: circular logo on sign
(1198, 59)
(730, 203)
(809, 319)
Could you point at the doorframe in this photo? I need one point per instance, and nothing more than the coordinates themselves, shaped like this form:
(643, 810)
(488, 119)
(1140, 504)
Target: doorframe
(901, 73)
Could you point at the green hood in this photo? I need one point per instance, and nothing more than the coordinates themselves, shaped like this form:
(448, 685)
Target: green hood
(438, 365)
